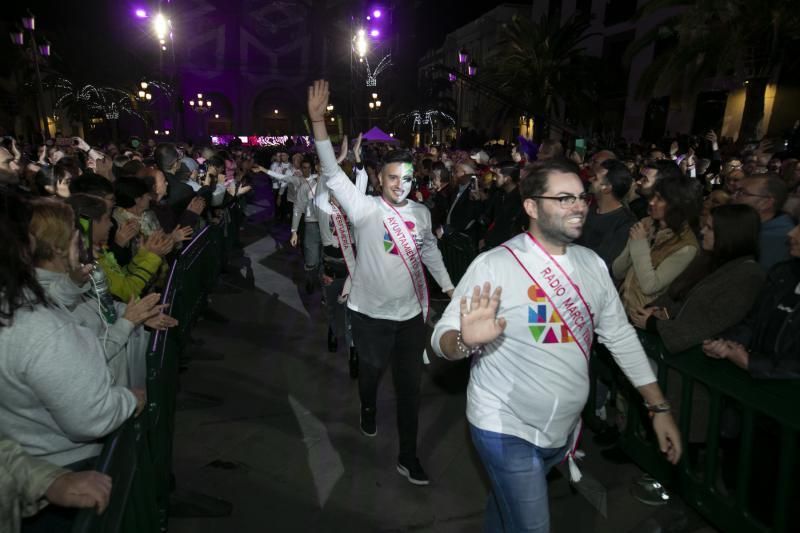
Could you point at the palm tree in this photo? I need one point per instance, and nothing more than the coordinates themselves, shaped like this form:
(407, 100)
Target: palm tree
(543, 67)
(82, 102)
(434, 109)
(748, 42)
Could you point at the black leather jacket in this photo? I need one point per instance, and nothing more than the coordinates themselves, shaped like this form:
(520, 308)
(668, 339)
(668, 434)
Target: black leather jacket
(774, 347)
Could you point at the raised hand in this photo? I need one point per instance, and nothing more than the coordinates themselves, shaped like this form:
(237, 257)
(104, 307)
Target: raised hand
(161, 322)
(357, 148)
(142, 310)
(318, 95)
(343, 151)
(159, 243)
(638, 231)
(197, 204)
(126, 232)
(479, 322)
(182, 233)
(81, 144)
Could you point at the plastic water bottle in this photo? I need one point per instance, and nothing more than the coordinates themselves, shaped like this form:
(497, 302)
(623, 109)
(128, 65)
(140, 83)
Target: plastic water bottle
(100, 292)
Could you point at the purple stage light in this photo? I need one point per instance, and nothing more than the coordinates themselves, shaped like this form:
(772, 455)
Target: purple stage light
(376, 13)
(374, 33)
(141, 13)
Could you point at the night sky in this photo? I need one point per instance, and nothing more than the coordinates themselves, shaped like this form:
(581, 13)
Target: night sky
(99, 41)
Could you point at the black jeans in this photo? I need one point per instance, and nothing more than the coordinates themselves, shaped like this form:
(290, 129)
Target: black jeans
(380, 342)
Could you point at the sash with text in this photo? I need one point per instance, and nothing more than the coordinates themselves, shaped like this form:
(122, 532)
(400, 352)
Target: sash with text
(346, 246)
(409, 253)
(562, 293)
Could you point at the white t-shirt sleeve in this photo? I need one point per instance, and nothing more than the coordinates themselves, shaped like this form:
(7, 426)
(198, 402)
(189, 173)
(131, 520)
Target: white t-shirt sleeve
(354, 203)
(362, 180)
(619, 336)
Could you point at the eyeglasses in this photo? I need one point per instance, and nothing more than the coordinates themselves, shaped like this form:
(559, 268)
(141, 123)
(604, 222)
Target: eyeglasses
(742, 192)
(567, 200)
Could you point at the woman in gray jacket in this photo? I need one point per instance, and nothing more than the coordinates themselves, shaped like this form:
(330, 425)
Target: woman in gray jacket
(56, 393)
(72, 294)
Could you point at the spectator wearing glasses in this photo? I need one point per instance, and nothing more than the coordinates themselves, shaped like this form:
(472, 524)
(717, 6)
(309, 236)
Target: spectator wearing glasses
(766, 193)
(662, 245)
(529, 378)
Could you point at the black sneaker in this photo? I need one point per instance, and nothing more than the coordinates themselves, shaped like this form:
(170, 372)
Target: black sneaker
(413, 471)
(368, 426)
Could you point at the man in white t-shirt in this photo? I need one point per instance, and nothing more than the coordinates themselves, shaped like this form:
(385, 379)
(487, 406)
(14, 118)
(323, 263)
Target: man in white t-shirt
(388, 300)
(529, 376)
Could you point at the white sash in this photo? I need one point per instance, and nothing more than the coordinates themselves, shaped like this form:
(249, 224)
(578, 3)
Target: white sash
(409, 253)
(561, 292)
(565, 296)
(346, 246)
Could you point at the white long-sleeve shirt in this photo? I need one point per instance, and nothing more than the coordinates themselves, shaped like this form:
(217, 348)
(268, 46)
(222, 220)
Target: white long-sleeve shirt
(532, 381)
(280, 168)
(382, 287)
(323, 198)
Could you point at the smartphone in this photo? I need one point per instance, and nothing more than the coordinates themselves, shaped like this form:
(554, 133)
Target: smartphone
(84, 225)
(580, 147)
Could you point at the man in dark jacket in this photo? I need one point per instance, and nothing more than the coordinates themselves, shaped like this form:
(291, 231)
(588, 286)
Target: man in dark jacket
(506, 207)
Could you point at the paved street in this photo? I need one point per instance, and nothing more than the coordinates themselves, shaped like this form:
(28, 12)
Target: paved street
(283, 444)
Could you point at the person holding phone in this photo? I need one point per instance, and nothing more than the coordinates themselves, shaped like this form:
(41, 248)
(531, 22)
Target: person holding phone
(465, 209)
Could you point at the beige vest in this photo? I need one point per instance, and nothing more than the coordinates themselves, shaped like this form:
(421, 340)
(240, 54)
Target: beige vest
(663, 243)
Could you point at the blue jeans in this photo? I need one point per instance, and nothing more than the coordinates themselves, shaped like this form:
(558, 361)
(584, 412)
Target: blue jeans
(517, 471)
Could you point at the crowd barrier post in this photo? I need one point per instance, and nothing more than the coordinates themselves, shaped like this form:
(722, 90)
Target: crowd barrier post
(741, 470)
(138, 456)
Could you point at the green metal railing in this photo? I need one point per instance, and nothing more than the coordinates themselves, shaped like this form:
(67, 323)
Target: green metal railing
(138, 456)
(743, 477)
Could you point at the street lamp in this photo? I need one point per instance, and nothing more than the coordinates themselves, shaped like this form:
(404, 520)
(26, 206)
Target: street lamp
(43, 50)
(200, 106)
(143, 93)
(467, 68)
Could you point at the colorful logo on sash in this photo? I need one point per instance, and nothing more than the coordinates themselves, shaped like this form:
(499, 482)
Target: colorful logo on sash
(388, 243)
(544, 322)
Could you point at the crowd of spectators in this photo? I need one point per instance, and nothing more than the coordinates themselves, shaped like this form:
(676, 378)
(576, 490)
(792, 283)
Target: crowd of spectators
(87, 236)
(701, 240)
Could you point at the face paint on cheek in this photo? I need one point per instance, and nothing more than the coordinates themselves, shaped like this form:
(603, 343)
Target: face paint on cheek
(406, 181)
(406, 186)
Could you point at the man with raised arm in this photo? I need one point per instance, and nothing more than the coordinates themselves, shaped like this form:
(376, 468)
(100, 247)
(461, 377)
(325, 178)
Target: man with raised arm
(388, 300)
(528, 311)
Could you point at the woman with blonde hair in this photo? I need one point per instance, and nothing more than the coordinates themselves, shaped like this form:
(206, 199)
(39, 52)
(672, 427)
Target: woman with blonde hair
(68, 287)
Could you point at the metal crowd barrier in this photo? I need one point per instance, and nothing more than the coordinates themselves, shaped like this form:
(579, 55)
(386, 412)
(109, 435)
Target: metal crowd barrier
(458, 251)
(138, 456)
(741, 472)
